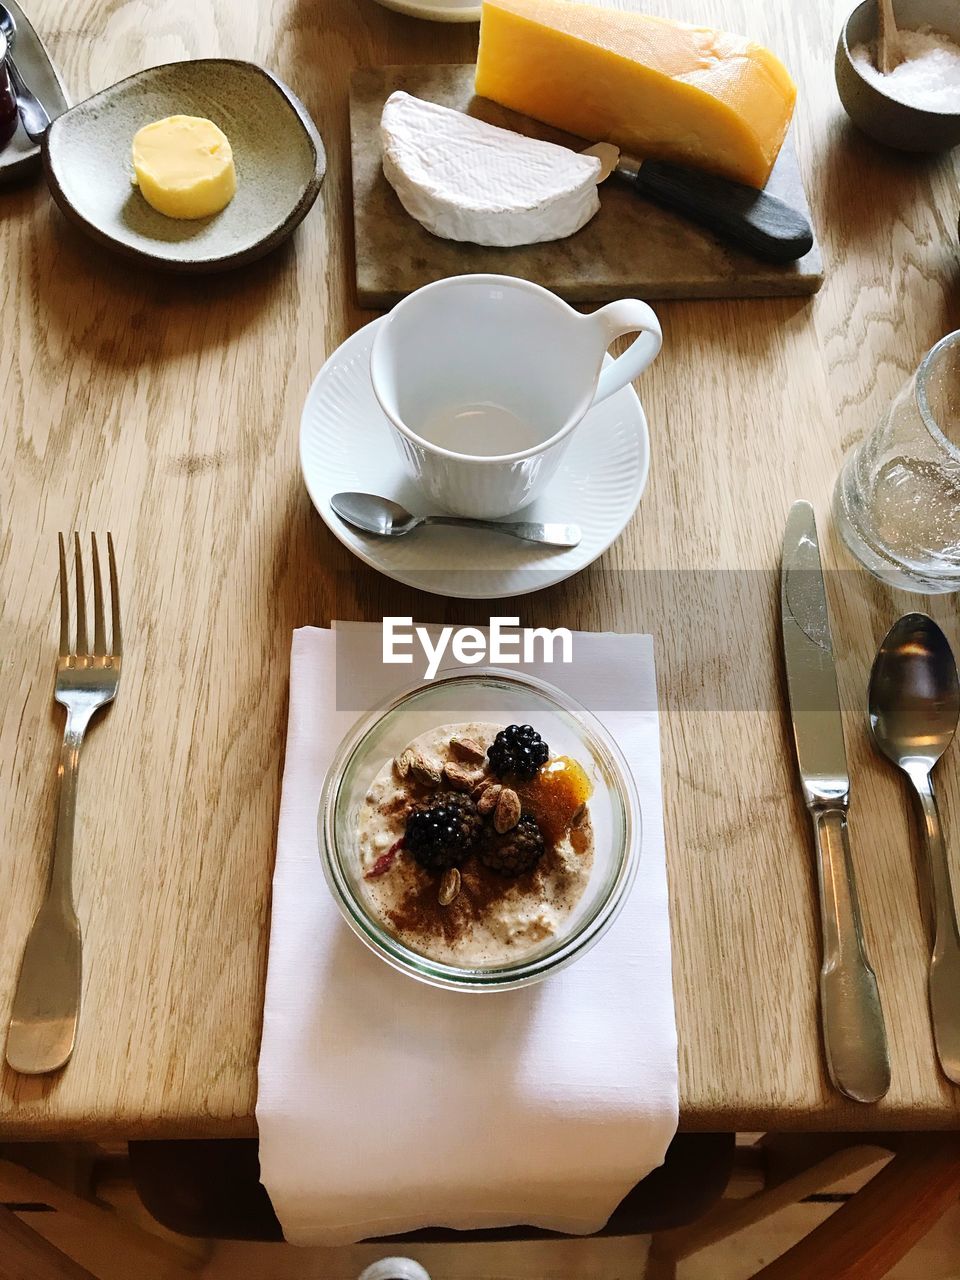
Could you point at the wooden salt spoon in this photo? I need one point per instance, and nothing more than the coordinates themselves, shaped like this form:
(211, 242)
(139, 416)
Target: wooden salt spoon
(888, 38)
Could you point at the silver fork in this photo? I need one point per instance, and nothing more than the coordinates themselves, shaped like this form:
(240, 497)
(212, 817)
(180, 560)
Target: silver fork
(46, 1005)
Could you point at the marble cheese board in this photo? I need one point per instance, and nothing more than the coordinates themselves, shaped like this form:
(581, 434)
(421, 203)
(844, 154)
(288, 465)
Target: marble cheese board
(631, 247)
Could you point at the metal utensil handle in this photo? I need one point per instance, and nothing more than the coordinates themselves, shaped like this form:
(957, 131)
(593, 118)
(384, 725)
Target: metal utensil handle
(528, 531)
(33, 114)
(854, 1037)
(46, 1003)
(61, 871)
(944, 978)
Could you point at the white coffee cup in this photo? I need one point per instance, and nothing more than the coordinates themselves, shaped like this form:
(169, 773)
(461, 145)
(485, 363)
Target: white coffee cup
(485, 378)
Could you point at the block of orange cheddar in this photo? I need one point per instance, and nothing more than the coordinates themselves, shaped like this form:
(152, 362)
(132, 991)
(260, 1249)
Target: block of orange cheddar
(655, 88)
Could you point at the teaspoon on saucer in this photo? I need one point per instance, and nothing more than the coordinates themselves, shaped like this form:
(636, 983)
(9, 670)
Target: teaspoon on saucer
(914, 706)
(388, 519)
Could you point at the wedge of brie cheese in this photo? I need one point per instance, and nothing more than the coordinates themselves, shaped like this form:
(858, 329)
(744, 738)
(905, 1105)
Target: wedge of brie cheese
(464, 179)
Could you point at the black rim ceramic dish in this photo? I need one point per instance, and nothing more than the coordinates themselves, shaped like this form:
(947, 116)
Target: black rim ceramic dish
(278, 152)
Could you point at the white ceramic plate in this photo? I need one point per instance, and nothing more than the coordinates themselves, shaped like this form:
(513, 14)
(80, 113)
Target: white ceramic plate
(345, 443)
(436, 10)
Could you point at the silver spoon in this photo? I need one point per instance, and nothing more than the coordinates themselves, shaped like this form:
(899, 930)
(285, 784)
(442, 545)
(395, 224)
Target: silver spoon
(33, 114)
(914, 705)
(388, 519)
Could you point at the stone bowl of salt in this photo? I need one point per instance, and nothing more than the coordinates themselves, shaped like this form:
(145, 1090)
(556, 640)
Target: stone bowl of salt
(915, 107)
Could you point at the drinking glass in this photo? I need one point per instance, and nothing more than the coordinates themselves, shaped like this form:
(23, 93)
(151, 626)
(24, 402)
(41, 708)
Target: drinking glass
(897, 500)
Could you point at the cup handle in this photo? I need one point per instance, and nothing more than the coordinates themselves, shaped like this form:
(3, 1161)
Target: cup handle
(628, 315)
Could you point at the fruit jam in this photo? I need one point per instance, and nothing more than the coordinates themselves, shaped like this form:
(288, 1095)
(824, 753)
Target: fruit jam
(554, 796)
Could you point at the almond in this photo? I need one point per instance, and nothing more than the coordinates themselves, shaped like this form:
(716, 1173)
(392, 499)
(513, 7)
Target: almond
(449, 886)
(488, 800)
(426, 772)
(579, 816)
(468, 749)
(460, 778)
(402, 763)
(507, 813)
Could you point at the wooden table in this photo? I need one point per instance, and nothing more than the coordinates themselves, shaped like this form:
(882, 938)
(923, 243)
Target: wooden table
(167, 410)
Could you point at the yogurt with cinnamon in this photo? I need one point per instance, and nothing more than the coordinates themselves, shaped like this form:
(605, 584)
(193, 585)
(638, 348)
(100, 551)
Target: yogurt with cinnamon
(471, 915)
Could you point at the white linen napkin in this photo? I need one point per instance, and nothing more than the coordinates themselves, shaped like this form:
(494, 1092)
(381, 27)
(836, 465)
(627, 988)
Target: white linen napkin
(386, 1105)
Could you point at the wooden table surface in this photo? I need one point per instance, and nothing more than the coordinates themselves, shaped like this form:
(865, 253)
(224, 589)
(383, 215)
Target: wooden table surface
(167, 410)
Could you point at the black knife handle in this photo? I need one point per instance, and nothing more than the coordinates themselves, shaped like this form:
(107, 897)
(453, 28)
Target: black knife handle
(766, 226)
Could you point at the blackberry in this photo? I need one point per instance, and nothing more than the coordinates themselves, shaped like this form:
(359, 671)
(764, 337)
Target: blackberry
(515, 852)
(518, 751)
(443, 832)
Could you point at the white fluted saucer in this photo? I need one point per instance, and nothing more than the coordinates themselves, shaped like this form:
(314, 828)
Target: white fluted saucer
(346, 443)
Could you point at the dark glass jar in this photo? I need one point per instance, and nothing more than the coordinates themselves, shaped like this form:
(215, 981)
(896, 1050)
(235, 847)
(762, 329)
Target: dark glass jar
(8, 102)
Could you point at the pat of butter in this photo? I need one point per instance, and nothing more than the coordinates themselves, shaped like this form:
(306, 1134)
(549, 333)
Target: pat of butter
(184, 167)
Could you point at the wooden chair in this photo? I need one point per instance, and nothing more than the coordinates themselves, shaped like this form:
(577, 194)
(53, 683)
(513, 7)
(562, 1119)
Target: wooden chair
(53, 1228)
(865, 1237)
(217, 1192)
(211, 1190)
(24, 1255)
(56, 1225)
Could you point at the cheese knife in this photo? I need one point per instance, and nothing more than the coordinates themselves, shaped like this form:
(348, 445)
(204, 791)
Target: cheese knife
(854, 1037)
(764, 225)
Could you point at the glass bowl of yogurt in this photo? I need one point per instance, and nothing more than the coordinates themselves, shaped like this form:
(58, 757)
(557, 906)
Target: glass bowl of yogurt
(477, 871)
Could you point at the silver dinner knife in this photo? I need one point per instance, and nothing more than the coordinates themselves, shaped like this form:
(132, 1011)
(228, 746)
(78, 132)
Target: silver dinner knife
(854, 1037)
